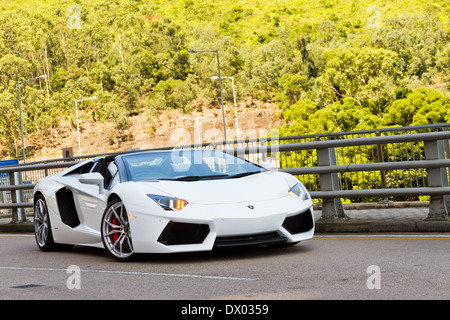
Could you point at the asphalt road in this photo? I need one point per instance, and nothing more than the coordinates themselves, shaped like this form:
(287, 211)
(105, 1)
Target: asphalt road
(327, 267)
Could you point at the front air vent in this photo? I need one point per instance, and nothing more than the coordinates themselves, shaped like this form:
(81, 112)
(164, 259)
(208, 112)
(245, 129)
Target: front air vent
(176, 233)
(249, 240)
(299, 223)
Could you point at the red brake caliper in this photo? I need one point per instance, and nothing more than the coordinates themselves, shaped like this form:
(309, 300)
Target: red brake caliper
(115, 236)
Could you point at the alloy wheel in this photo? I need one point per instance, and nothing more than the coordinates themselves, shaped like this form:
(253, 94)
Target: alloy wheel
(116, 233)
(41, 222)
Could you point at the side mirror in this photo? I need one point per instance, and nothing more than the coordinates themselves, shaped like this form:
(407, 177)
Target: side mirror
(267, 165)
(94, 178)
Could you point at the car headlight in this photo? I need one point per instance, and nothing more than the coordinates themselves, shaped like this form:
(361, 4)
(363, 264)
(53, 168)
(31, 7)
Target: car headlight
(299, 191)
(168, 203)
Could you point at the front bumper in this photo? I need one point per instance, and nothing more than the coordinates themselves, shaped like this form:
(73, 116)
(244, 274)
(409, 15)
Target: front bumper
(204, 227)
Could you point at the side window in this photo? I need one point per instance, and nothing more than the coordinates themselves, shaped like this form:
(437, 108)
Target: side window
(86, 168)
(111, 176)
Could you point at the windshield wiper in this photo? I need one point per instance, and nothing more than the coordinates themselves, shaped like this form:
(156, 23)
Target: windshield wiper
(213, 176)
(195, 178)
(243, 174)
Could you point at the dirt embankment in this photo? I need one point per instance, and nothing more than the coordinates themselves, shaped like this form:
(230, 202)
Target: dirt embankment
(166, 128)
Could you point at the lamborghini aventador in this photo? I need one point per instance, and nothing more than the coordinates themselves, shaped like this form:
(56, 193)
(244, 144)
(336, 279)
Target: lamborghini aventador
(178, 200)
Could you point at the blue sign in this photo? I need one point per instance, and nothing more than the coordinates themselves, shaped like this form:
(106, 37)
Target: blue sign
(5, 163)
(12, 162)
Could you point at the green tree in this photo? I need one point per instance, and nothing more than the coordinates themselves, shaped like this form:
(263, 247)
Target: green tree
(421, 106)
(14, 68)
(170, 94)
(9, 124)
(359, 73)
(292, 87)
(297, 118)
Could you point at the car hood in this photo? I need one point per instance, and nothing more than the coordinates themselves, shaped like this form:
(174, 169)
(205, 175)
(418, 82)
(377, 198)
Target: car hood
(256, 187)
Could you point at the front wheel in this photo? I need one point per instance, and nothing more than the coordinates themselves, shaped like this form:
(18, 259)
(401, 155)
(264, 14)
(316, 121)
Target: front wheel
(116, 234)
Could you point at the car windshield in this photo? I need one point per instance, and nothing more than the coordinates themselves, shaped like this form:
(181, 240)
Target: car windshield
(186, 165)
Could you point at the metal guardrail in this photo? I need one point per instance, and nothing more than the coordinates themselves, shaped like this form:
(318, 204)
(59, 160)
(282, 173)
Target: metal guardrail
(326, 167)
(16, 186)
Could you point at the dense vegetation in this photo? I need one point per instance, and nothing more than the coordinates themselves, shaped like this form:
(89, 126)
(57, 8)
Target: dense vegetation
(328, 65)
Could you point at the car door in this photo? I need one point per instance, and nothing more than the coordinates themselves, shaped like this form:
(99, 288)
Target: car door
(81, 206)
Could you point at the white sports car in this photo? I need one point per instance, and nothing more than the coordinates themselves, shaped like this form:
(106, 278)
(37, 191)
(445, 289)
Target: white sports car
(170, 201)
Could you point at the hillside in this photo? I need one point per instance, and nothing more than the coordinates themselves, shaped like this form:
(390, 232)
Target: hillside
(300, 66)
(169, 128)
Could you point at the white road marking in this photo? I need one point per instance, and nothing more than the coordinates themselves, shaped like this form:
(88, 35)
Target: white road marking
(135, 273)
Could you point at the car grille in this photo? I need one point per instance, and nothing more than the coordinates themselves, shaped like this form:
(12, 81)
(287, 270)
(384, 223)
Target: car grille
(249, 240)
(299, 223)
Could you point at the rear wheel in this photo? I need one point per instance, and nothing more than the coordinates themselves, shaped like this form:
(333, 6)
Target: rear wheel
(116, 235)
(42, 228)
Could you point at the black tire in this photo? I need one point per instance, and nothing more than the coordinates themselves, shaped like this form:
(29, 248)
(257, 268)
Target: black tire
(42, 226)
(115, 231)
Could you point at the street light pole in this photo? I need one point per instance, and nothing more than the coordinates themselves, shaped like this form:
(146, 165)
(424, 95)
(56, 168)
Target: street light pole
(78, 126)
(221, 97)
(21, 123)
(20, 111)
(220, 83)
(235, 107)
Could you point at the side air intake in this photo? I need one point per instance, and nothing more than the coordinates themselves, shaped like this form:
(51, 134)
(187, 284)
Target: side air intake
(66, 207)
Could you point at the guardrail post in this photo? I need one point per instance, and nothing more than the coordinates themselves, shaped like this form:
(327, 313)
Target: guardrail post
(19, 197)
(332, 208)
(437, 177)
(12, 181)
(264, 154)
(381, 160)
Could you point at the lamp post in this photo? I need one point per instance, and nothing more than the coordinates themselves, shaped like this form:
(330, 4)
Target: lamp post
(234, 98)
(78, 126)
(220, 83)
(20, 111)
